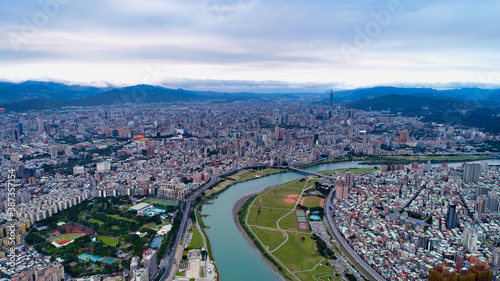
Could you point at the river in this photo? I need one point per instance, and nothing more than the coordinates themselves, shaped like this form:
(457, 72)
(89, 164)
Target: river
(235, 258)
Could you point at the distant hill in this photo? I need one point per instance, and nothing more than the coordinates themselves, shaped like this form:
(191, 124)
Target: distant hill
(136, 94)
(481, 96)
(31, 90)
(36, 95)
(437, 109)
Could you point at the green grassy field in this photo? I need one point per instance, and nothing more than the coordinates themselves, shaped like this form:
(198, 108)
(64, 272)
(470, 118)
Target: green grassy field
(311, 202)
(270, 238)
(254, 174)
(289, 222)
(160, 202)
(267, 217)
(220, 186)
(197, 240)
(321, 273)
(150, 225)
(357, 171)
(108, 240)
(298, 253)
(96, 221)
(70, 236)
(118, 217)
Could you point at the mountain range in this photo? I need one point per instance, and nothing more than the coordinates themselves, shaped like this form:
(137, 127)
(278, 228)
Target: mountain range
(467, 106)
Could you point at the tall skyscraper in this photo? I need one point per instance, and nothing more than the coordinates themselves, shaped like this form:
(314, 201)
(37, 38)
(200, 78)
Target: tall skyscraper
(40, 124)
(472, 172)
(277, 132)
(20, 128)
(429, 166)
(451, 217)
(331, 101)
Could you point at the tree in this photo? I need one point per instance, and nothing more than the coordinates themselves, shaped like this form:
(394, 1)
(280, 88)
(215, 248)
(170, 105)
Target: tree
(204, 255)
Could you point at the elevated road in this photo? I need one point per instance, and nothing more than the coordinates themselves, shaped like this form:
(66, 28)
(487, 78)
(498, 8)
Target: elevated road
(332, 177)
(169, 259)
(367, 270)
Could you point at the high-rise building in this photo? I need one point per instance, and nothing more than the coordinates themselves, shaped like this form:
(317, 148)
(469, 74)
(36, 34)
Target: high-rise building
(260, 140)
(429, 166)
(493, 201)
(237, 144)
(277, 132)
(349, 178)
(403, 136)
(472, 172)
(20, 128)
(341, 189)
(141, 274)
(469, 240)
(134, 264)
(481, 205)
(451, 217)
(331, 101)
(53, 152)
(424, 242)
(40, 124)
(351, 114)
(150, 262)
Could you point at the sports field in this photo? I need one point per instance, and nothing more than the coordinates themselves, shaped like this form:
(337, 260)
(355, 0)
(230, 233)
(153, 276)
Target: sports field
(160, 202)
(108, 240)
(274, 219)
(311, 202)
(65, 238)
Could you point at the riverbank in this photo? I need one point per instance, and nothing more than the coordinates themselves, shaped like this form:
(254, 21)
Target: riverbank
(408, 159)
(239, 204)
(213, 195)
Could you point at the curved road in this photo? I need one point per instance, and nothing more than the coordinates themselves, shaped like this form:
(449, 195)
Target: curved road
(367, 270)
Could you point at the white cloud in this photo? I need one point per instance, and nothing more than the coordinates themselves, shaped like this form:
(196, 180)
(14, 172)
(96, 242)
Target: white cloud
(296, 42)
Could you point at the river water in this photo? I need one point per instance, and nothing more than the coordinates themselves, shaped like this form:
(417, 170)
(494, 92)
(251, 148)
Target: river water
(235, 258)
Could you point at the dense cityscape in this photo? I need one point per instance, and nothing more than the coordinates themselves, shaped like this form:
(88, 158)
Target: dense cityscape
(403, 219)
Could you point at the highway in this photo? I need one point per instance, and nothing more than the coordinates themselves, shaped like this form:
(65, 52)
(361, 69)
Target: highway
(367, 270)
(169, 259)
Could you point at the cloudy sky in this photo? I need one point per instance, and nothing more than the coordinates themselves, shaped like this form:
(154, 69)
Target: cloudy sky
(264, 46)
